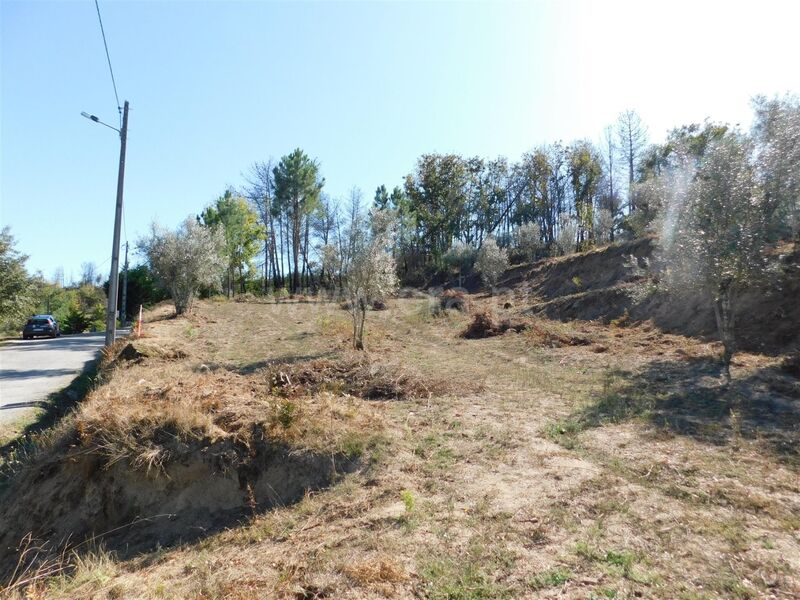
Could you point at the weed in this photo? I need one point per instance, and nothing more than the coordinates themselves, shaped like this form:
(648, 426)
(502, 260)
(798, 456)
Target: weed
(551, 578)
(287, 411)
(408, 500)
(448, 579)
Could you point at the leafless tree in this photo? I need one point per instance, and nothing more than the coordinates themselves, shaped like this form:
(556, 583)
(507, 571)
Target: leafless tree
(632, 139)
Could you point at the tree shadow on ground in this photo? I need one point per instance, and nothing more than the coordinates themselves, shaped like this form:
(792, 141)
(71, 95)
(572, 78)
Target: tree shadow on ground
(689, 397)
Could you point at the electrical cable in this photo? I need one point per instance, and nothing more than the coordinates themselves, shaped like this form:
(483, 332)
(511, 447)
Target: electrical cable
(108, 57)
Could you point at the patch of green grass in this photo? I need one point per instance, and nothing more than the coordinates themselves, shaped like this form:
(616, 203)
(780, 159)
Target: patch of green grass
(434, 450)
(731, 587)
(564, 433)
(456, 579)
(552, 578)
(617, 562)
(733, 531)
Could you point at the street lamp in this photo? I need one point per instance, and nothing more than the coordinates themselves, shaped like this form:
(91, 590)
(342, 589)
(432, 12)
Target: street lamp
(113, 281)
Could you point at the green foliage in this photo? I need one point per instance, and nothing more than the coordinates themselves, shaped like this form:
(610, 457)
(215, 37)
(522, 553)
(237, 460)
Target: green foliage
(184, 260)
(462, 579)
(76, 309)
(242, 233)
(75, 320)
(716, 228)
(776, 132)
(408, 500)
(17, 288)
(585, 171)
(437, 194)
(143, 290)
(492, 262)
(553, 578)
(297, 196)
(287, 412)
(371, 275)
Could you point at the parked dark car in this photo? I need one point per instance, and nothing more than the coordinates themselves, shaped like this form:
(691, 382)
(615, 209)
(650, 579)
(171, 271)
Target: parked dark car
(41, 325)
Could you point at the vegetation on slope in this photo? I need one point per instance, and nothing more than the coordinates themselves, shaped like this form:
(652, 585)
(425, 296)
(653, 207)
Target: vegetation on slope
(616, 467)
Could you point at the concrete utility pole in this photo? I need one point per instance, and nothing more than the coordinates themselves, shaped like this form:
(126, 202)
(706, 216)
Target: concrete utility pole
(113, 287)
(123, 312)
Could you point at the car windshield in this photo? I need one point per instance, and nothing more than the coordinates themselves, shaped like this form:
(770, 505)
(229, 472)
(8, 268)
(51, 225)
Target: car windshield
(38, 322)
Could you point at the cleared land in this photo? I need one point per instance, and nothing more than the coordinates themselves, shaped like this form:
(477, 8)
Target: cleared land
(575, 460)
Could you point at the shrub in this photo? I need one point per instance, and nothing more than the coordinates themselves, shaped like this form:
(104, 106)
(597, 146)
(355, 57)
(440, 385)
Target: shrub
(460, 258)
(566, 239)
(492, 262)
(529, 240)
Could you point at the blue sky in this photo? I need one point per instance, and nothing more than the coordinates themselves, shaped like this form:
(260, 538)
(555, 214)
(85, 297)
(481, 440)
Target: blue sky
(363, 87)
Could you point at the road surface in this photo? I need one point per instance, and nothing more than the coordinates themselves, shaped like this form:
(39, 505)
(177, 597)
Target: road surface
(31, 370)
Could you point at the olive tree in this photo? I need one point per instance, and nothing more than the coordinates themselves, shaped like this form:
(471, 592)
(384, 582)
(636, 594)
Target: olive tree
(370, 274)
(717, 231)
(492, 261)
(185, 260)
(567, 234)
(529, 239)
(460, 258)
(776, 131)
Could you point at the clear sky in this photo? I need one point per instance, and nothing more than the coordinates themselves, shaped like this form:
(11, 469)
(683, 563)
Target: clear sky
(363, 87)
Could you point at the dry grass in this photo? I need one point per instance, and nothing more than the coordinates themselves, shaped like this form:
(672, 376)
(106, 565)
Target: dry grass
(177, 408)
(543, 467)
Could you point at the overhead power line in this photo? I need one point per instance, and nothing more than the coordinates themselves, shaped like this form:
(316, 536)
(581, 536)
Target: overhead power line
(108, 57)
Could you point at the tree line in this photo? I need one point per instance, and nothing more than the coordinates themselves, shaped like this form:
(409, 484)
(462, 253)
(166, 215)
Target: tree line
(280, 232)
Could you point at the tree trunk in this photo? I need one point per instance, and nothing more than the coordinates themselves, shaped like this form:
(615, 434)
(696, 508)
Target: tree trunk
(362, 315)
(725, 325)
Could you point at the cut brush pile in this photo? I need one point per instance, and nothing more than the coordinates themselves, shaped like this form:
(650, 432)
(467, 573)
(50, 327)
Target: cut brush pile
(356, 375)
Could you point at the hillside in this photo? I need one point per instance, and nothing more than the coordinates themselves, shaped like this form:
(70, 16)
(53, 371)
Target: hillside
(245, 451)
(609, 282)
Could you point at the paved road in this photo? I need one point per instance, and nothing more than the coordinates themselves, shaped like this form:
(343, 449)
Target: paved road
(30, 370)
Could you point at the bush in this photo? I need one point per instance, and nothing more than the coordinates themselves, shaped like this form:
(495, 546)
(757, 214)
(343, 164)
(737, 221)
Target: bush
(492, 262)
(75, 321)
(528, 238)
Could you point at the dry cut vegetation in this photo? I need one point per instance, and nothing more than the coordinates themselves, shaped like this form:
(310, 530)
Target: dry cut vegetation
(574, 460)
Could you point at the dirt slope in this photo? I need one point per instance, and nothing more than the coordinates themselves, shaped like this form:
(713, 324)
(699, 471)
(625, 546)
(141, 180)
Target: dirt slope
(610, 282)
(561, 460)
